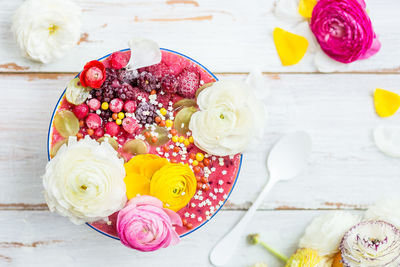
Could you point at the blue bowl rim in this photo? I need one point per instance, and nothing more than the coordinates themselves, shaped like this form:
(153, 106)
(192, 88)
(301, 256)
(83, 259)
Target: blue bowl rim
(209, 72)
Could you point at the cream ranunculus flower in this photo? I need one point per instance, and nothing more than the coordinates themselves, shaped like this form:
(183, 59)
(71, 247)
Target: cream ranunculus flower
(46, 29)
(230, 116)
(85, 181)
(325, 232)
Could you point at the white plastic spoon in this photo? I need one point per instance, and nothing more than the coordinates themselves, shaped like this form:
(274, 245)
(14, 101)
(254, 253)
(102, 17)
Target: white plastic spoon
(286, 160)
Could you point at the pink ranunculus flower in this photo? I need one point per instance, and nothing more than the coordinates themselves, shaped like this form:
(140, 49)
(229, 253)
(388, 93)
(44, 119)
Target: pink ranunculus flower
(146, 226)
(344, 30)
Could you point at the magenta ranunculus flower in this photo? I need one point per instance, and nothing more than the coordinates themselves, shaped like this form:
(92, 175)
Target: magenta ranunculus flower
(344, 30)
(146, 226)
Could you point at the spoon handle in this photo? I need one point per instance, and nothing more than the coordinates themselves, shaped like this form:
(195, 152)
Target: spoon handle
(226, 247)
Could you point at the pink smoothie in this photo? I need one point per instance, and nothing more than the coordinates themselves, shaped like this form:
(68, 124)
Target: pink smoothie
(215, 181)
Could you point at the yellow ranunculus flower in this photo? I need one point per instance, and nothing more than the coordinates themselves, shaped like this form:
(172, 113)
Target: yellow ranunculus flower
(173, 184)
(304, 257)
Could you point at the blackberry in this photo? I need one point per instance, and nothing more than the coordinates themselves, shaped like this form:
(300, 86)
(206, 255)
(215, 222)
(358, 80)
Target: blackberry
(128, 76)
(145, 113)
(148, 82)
(105, 115)
(125, 92)
(169, 84)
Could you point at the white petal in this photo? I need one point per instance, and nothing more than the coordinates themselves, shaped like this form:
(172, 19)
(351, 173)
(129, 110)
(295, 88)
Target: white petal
(288, 11)
(326, 64)
(325, 232)
(144, 52)
(257, 81)
(387, 139)
(387, 210)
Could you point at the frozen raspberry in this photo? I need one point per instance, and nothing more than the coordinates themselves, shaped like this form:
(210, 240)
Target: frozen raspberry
(175, 69)
(118, 60)
(140, 94)
(81, 111)
(116, 105)
(130, 125)
(93, 121)
(164, 99)
(130, 106)
(169, 84)
(158, 70)
(189, 82)
(94, 104)
(147, 81)
(99, 132)
(112, 128)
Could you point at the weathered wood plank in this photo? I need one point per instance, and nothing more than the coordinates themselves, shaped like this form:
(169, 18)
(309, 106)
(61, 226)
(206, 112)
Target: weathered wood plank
(346, 169)
(39, 238)
(226, 36)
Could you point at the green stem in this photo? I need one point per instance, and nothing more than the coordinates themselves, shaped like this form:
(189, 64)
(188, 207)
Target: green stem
(274, 252)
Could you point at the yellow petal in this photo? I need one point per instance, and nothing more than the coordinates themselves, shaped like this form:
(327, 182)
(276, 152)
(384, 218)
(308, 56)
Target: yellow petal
(306, 7)
(291, 47)
(174, 185)
(386, 102)
(136, 184)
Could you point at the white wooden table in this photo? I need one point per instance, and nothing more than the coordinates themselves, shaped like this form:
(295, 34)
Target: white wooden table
(230, 38)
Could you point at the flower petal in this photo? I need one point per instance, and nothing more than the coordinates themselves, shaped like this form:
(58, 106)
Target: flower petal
(387, 139)
(386, 102)
(144, 52)
(291, 47)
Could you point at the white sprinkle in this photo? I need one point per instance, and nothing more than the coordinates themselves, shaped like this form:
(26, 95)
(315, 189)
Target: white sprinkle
(187, 214)
(208, 217)
(200, 198)
(166, 155)
(174, 154)
(211, 209)
(199, 219)
(224, 172)
(220, 182)
(201, 82)
(199, 192)
(190, 161)
(220, 202)
(158, 149)
(221, 190)
(193, 205)
(98, 112)
(196, 197)
(192, 216)
(225, 196)
(231, 157)
(214, 158)
(215, 190)
(213, 169)
(207, 212)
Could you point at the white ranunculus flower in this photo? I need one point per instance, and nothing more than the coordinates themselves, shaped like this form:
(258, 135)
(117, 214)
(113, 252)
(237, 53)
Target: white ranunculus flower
(46, 29)
(85, 181)
(230, 116)
(387, 210)
(325, 232)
